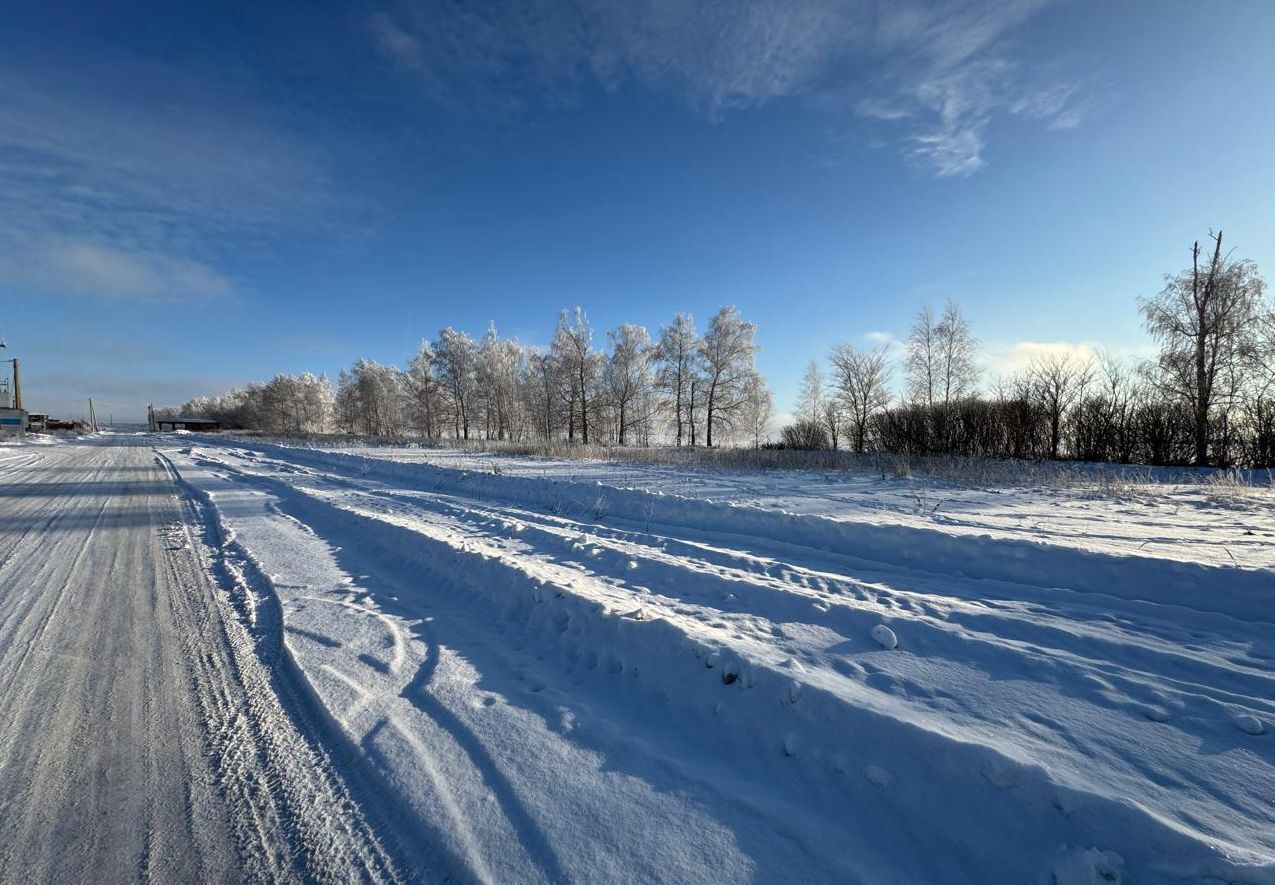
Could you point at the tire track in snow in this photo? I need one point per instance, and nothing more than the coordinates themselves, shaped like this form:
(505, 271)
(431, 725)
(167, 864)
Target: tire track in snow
(1016, 631)
(135, 741)
(426, 520)
(361, 791)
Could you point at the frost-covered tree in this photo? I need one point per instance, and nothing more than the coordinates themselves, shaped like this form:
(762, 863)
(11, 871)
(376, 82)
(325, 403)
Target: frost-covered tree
(425, 395)
(542, 388)
(370, 398)
(629, 379)
(455, 361)
(572, 349)
(678, 355)
(758, 410)
(727, 354)
(498, 365)
(810, 395)
(347, 402)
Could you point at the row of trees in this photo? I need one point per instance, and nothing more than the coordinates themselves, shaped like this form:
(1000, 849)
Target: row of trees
(686, 387)
(1207, 398)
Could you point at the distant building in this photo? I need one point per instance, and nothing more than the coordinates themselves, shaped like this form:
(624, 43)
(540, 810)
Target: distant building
(198, 425)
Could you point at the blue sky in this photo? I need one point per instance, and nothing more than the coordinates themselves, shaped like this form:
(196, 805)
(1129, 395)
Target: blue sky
(194, 198)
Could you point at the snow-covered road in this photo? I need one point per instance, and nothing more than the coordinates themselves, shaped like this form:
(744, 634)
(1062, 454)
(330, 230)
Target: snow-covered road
(141, 737)
(226, 660)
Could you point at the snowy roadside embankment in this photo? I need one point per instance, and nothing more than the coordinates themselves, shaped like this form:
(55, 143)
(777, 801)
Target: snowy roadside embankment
(1238, 592)
(571, 681)
(1171, 514)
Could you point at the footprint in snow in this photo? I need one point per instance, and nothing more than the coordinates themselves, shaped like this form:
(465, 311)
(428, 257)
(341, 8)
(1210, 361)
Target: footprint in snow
(1087, 867)
(878, 776)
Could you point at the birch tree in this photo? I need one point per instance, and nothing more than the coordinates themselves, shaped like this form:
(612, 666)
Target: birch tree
(941, 357)
(454, 358)
(628, 377)
(573, 348)
(956, 350)
(424, 393)
(677, 354)
(810, 395)
(727, 353)
(922, 362)
(759, 409)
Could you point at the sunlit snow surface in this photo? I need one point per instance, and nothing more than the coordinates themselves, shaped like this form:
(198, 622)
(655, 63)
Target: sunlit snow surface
(593, 672)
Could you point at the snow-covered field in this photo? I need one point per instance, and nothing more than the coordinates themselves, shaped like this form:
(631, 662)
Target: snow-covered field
(551, 671)
(1144, 512)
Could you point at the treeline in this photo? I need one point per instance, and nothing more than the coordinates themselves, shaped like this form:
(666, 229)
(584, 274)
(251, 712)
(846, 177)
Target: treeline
(1207, 399)
(683, 387)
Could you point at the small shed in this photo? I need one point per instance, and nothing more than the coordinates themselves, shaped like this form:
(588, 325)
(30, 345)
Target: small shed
(197, 425)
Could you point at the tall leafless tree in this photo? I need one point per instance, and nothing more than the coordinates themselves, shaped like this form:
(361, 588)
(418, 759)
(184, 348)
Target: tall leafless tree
(810, 395)
(727, 352)
(922, 361)
(941, 364)
(1057, 381)
(425, 391)
(677, 354)
(862, 381)
(759, 409)
(628, 377)
(1205, 321)
(455, 358)
(957, 349)
(573, 346)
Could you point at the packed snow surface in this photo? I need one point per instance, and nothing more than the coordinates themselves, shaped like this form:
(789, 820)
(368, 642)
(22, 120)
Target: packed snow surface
(532, 671)
(142, 738)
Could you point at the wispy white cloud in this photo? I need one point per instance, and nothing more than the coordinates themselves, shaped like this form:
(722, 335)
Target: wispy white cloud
(718, 55)
(940, 71)
(952, 69)
(113, 195)
(83, 267)
(401, 47)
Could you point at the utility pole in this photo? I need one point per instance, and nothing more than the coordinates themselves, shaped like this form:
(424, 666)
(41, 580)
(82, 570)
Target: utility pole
(92, 416)
(17, 385)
